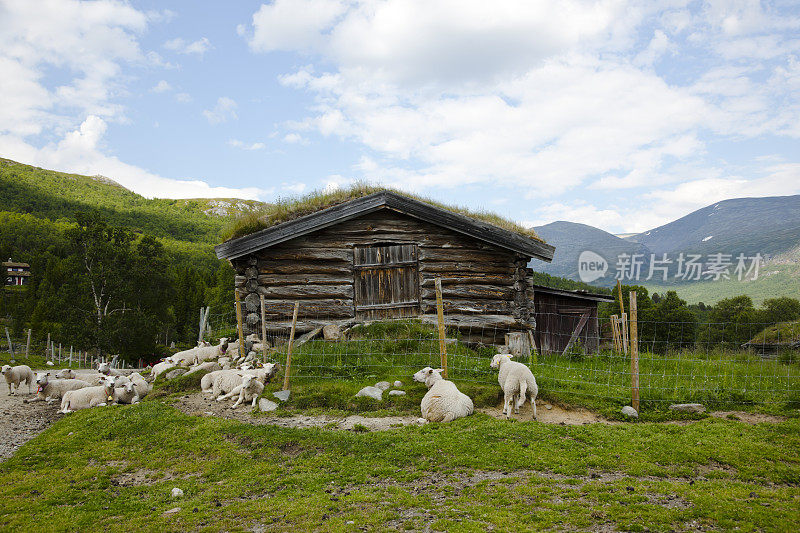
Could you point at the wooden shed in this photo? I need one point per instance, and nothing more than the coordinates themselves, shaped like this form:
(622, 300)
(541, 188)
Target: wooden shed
(16, 273)
(377, 257)
(564, 318)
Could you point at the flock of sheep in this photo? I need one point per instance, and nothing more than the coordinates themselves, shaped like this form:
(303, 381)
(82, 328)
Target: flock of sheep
(242, 378)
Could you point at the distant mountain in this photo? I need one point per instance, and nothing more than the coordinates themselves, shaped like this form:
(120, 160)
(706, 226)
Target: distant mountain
(767, 226)
(571, 239)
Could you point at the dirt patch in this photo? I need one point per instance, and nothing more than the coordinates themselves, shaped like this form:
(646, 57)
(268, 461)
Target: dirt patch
(748, 418)
(555, 415)
(20, 422)
(197, 404)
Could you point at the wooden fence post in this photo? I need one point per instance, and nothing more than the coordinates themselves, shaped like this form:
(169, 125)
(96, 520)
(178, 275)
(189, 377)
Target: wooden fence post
(239, 323)
(70, 356)
(10, 346)
(47, 348)
(615, 332)
(263, 330)
(203, 322)
(624, 324)
(440, 320)
(289, 349)
(28, 345)
(634, 352)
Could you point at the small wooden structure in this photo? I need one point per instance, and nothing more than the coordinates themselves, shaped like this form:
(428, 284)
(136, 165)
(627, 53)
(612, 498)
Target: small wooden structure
(377, 257)
(564, 318)
(16, 273)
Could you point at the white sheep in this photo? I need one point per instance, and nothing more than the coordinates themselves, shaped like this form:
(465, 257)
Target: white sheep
(88, 397)
(211, 366)
(66, 373)
(264, 374)
(126, 393)
(221, 382)
(443, 402)
(16, 375)
(143, 388)
(198, 354)
(54, 389)
(105, 368)
(160, 368)
(517, 382)
(249, 390)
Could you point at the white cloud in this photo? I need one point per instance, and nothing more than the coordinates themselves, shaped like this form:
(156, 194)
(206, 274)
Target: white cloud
(294, 138)
(161, 87)
(236, 143)
(182, 46)
(292, 24)
(224, 110)
(79, 151)
(183, 98)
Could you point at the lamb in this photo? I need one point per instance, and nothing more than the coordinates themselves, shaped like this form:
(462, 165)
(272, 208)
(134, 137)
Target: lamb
(517, 382)
(88, 397)
(105, 368)
(249, 390)
(126, 393)
(54, 389)
(142, 387)
(66, 373)
(264, 374)
(198, 354)
(221, 382)
(443, 402)
(16, 375)
(211, 366)
(160, 368)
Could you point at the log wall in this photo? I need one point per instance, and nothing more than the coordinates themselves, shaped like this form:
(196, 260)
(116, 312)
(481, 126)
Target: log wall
(481, 284)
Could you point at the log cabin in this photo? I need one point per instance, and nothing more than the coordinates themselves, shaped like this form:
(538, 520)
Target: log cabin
(565, 319)
(377, 257)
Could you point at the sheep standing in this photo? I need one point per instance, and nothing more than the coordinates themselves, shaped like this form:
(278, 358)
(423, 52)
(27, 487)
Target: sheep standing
(250, 389)
(443, 402)
(54, 389)
(88, 397)
(16, 375)
(517, 382)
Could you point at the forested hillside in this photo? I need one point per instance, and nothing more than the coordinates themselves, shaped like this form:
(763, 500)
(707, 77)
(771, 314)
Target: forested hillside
(152, 259)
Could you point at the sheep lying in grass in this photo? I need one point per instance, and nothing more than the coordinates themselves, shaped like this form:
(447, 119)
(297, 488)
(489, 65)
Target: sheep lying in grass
(142, 387)
(105, 369)
(443, 402)
(124, 393)
(16, 375)
(66, 373)
(517, 382)
(198, 354)
(160, 368)
(221, 382)
(88, 397)
(211, 366)
(54, 389)
(248, 391)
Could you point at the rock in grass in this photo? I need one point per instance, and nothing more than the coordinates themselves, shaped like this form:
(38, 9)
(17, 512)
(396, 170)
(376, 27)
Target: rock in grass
(398, 384)
(175, 373)
(177, 493)
(266, 405)
(282, 395)
(371, 392)
(688, 407)
(383, 385)
(630, 411)
(397, 393)
(332, 332)
(172, 511)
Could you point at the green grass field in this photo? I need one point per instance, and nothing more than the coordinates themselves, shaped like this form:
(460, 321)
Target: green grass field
(115, 467)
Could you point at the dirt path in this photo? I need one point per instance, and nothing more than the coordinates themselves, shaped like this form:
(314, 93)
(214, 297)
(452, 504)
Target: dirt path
(20, 422)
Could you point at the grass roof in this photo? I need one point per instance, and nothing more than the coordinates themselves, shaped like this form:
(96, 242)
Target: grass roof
(260, 217)
(784, 332)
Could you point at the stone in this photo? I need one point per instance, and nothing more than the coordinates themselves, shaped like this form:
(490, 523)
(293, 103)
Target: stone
(630, 411)
(383, 385)
(371, 392)
(332, 332)
(172, 511)
(174, 373)
(397, 393)
(688, 407)
(177, 493)
(398, 384)
(548, 406)
(282, 395)
(266, 405)
(49, 363)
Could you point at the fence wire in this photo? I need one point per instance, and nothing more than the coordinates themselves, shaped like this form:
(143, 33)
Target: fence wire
(711, 363)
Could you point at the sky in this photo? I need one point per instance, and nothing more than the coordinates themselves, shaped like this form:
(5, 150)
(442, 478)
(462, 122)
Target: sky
(622, 115)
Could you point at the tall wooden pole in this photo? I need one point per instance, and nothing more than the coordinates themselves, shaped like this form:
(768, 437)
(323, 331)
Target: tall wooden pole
(28, 345)
(289, 349)
(440, 320)
(263, 330)
(239, 323)
(10, 346)
(634, 353)
(47, 349)
(621, 304)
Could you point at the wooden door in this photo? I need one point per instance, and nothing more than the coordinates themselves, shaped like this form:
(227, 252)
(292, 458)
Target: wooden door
(386, 281)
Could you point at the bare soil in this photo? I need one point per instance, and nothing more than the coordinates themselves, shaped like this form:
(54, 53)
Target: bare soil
(555, 415)
(20, 422)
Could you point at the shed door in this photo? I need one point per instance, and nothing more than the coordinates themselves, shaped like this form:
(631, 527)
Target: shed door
(386, 281)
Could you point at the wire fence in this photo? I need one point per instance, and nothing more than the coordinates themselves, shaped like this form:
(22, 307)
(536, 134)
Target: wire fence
(37, 353)
(678, 362)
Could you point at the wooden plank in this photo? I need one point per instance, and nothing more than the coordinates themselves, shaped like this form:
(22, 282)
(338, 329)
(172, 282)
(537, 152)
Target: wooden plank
(468, 278)
(317, 253)
(455, 268)
(263, 330)
(440, 323)
(578, 329)
(476, 321)
(339, 308)
(293, 267)
(272, 280)
(307, 291)
(431, 253)
(472, 292)
(287, 372)
(460, 306)
(634, 352)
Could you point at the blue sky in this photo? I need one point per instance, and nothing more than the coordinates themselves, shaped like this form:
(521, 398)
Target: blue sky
(623, 115)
